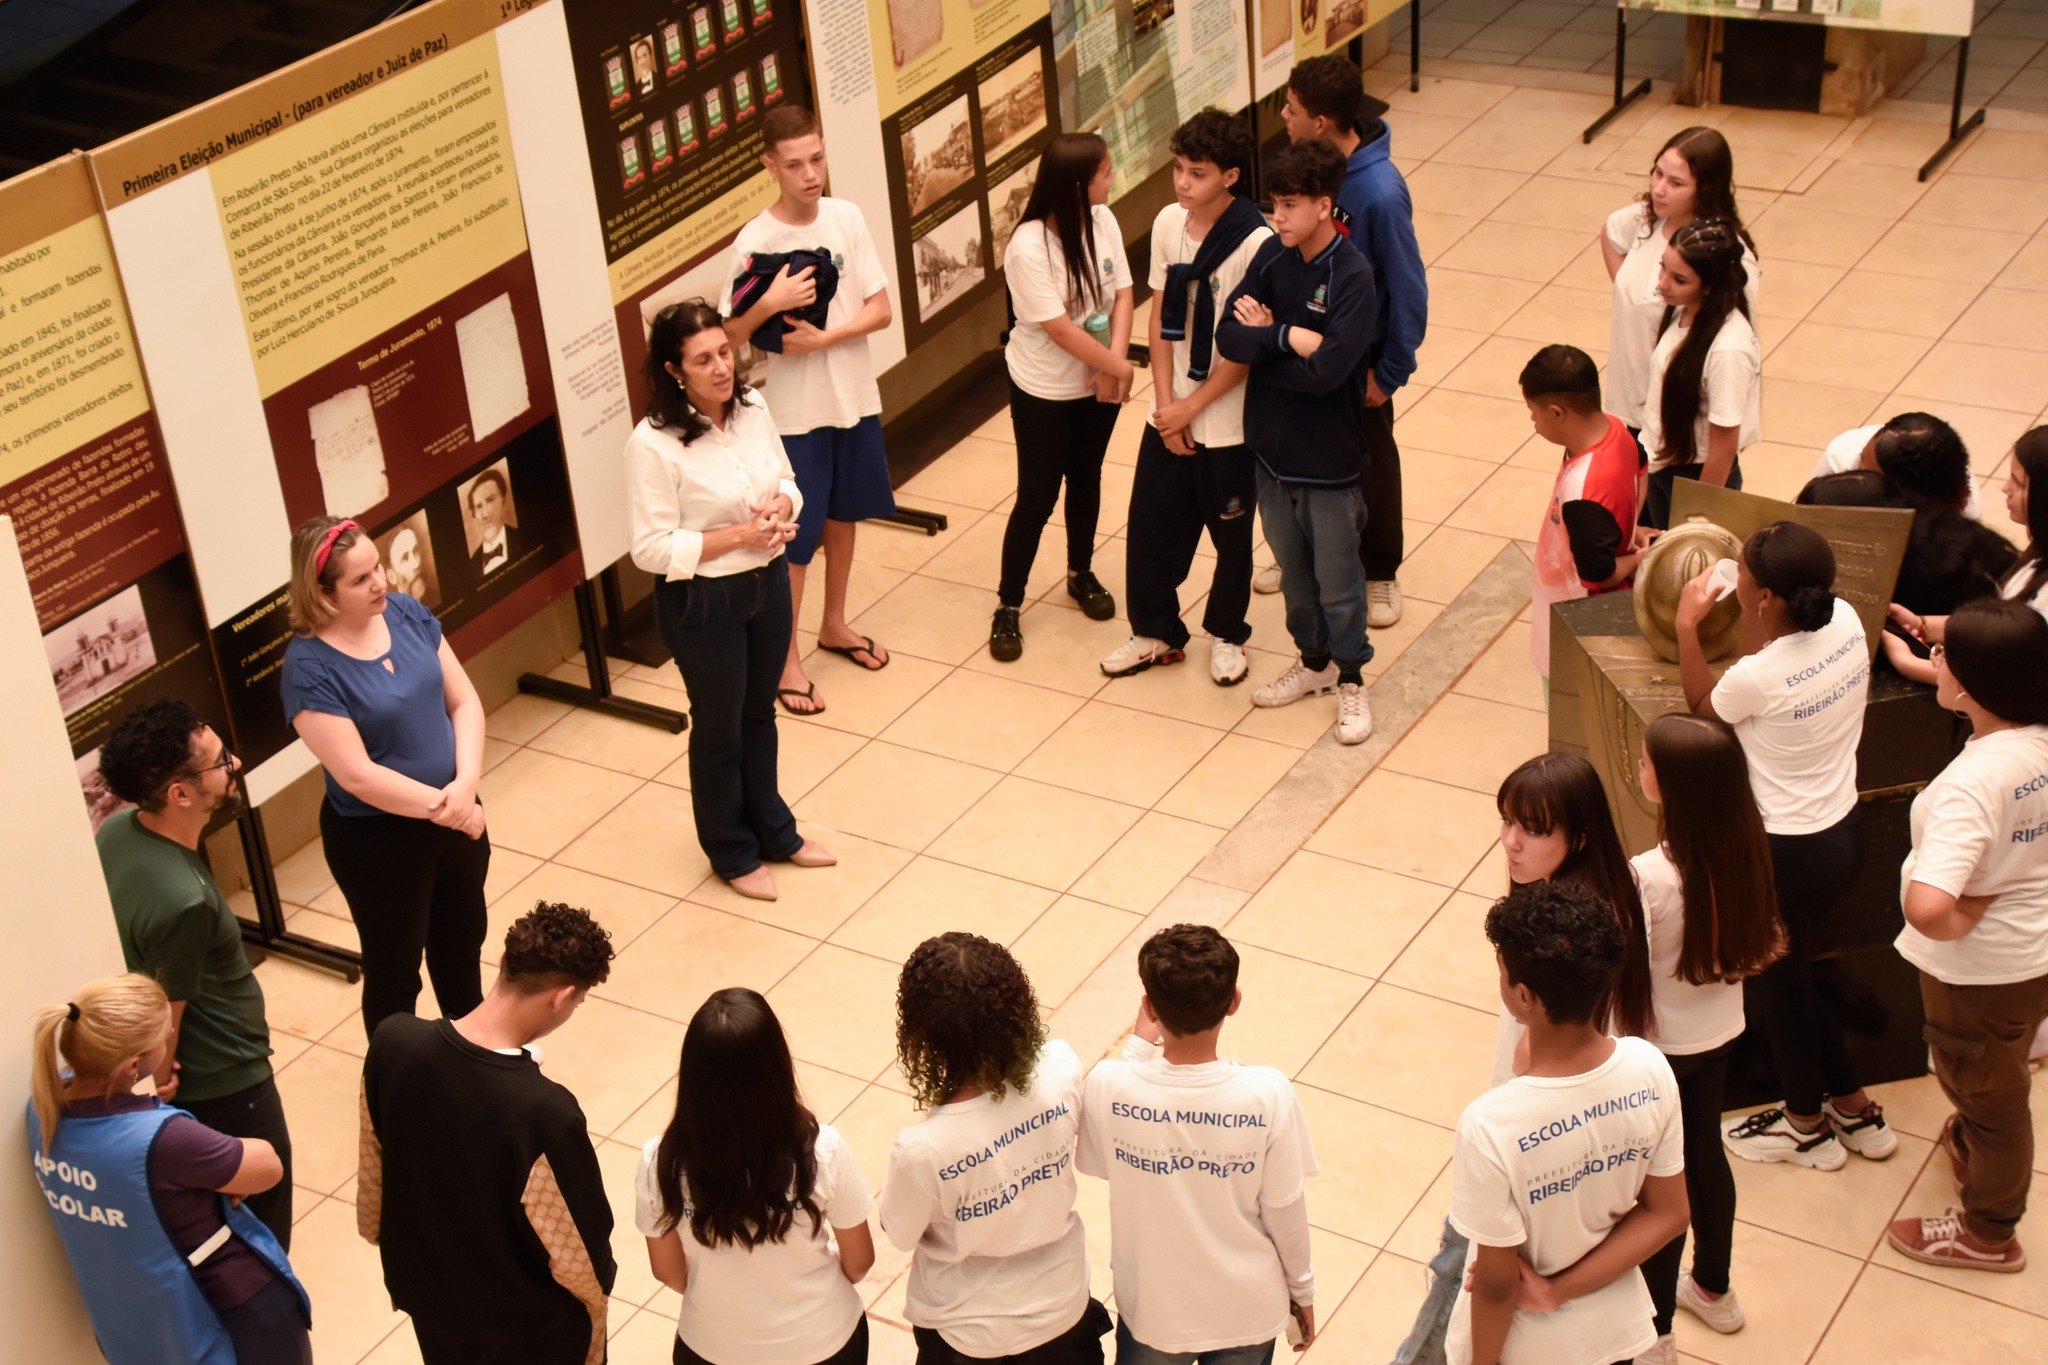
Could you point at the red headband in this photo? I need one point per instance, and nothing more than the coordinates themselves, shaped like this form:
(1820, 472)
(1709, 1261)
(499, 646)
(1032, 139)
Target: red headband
(327, 545)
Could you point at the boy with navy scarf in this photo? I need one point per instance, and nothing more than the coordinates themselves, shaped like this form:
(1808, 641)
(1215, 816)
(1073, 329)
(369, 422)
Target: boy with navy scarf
(1303, 321)
(1326, 102)
(1194, 471)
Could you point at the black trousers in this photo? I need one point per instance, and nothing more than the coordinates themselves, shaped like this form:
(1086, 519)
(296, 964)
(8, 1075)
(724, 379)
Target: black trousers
(1709, 1185)
(1057, 439)
(1080, 1344)
(568, 1344)
(412, 886)
(257, 1112)
(1657, 499)
(1173, 499)
(1810, 871)
(730, 636)
(1384, 544)
(270, 1329)
(854, 1352)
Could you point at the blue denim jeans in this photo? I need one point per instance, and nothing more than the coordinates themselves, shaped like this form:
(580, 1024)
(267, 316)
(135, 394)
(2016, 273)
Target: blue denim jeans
(1314, 535)
(1425, 1343)
(1131, 1351)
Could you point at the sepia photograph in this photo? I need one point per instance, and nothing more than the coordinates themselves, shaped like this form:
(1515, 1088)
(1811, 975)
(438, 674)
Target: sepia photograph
(100, 801)
(408, 555)
(100, 650)
(938, 156)
(643, 65)
(490, 522)
(1012, 105)
(948, 260)
(1006, 203)
(1346, 18)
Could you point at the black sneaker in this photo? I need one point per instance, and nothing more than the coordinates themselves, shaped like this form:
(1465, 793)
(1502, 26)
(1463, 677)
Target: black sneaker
(1005, 638)
(1096, 603)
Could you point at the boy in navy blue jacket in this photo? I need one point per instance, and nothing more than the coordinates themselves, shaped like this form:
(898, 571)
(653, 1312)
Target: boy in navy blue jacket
(1302, 319)
(1326, 102)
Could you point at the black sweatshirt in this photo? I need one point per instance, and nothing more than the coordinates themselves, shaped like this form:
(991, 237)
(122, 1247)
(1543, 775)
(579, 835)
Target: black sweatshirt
(480, 1185)
(1302, 417)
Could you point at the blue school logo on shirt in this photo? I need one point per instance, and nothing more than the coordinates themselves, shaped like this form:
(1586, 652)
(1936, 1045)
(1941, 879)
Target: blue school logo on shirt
(838, 261)
(1232, 510)
(1319, 302)
(1108, 266)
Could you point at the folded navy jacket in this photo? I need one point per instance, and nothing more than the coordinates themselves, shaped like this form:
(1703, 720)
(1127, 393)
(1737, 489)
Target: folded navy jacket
(760, 271)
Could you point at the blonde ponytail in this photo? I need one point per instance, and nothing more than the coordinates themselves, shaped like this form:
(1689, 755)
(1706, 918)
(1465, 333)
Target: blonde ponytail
(109, 1021)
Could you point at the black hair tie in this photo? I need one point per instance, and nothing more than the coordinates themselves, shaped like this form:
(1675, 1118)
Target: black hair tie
(71, 1011)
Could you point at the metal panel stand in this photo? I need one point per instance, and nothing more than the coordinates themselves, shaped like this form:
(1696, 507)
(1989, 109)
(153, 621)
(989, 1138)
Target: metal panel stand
(1621, 100)
(269, 933)
(597, 694)
(915, 519)
(1958, 127)
(1414, 46)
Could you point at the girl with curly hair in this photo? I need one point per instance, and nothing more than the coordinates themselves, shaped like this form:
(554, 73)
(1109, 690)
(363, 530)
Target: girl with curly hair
(981, 1191)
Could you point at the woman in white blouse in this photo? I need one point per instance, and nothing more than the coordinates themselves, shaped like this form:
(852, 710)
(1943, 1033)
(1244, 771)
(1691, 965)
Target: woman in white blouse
(712, 500)
(1692, 177)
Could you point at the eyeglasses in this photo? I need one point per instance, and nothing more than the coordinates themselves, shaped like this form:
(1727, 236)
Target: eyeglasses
(227, 761)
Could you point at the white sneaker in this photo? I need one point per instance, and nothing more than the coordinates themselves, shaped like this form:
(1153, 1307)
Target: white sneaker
(1267, 580)
(1866, 1134)
(1297, 682)
(1139, 653)
(1227, 664)
(1724, 1314)
(1770, 1136)
(1354, 713)
(1383, 604)
(1665, 1352)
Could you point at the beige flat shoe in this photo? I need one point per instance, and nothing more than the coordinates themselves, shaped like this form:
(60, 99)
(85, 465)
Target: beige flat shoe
(757, 885)
(813, 854)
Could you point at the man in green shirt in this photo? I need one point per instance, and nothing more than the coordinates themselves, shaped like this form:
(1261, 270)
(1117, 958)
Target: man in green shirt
(177, 928)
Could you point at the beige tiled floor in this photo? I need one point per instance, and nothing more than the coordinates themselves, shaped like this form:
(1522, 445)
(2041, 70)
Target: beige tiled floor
(1057, 811)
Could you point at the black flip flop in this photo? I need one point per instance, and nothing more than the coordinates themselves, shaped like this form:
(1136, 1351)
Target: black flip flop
(809, 694)
(866, 646)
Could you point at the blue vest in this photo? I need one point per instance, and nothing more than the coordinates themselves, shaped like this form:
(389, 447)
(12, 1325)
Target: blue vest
(144, 1300)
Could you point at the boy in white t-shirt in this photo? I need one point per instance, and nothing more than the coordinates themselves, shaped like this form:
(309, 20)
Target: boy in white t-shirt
(1207, 1162)
(820, 386)
(981, 1191)
(1194, 469)
(1570, 1175)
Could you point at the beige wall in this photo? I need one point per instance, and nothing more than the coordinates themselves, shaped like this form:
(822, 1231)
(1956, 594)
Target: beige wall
(59, 927)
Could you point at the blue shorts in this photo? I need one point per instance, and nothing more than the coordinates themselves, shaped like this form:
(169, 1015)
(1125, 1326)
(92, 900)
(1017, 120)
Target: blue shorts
(844, 475)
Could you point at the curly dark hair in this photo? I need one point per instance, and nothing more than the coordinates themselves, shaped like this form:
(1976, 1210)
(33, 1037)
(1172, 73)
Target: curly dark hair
(555, 945)
(149, 749)
(1562, 942)
(1330, 87)
(1190, 974)
(965, 1015)
(1220, 139)
(1310, 170)
(1925, 460)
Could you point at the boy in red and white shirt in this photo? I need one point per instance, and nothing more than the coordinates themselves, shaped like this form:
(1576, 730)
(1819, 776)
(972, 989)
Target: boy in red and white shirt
(1588, 543)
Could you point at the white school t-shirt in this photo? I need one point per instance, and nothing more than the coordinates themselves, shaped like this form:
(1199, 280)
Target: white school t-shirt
(981, 1193)
(781, 1303)
(2015, 583)
(1731, 386)
(1550, 1164)
(1638, 307)
(1797, 706)
(1222, 422)
(1980, 828)
(834, 387)
(1193, 1154)
(1689, 1018)
(1036, 268)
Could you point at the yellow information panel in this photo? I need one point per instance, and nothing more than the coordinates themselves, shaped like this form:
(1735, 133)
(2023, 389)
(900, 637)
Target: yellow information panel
(340, 227)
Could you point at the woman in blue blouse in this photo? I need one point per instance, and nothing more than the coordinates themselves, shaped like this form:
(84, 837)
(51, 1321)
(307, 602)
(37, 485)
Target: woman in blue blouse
(380, 699)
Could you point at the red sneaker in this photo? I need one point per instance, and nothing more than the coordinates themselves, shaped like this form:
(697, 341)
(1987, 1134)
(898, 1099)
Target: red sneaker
(1945, 1241)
